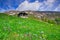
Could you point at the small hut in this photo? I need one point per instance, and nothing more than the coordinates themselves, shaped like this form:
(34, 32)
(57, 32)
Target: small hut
(23, 15)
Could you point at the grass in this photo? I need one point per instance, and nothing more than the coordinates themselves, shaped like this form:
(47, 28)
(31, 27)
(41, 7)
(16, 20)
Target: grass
(16, 28)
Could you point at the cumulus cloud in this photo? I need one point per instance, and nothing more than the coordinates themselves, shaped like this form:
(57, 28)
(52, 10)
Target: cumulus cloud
(23, 6)
(47, 5)
(29, 6)
(58, 8)
(38, 6)
(50, 1)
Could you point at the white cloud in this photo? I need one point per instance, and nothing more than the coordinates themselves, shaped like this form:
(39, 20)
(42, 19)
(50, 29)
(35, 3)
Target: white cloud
(58, 8)
(37, 6)
(47, 5)
(28, 6)
(34, 6)
(50, 1)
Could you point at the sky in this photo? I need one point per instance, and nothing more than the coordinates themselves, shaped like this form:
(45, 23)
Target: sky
(22, 5)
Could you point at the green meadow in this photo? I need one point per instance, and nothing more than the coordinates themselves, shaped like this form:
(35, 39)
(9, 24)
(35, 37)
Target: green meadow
(16, 28)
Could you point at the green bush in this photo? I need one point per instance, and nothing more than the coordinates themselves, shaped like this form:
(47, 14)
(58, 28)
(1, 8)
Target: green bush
(51, 21)
(57, 20)
(48, 20)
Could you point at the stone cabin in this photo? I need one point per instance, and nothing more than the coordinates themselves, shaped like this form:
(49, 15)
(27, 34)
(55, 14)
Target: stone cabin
(22, 14)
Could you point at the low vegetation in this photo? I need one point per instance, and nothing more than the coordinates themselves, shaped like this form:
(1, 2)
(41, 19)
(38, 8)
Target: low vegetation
(16, 28)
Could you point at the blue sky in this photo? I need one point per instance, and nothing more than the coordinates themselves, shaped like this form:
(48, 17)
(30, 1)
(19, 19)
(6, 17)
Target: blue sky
(13, 4)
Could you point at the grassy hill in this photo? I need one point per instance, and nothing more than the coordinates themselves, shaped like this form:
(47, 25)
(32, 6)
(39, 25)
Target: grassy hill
(16, 28)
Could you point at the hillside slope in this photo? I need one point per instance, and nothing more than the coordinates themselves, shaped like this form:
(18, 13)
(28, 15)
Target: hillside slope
(16, 28)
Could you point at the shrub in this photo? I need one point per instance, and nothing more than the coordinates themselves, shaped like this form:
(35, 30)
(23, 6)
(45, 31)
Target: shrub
(51, 21)
(57, 20)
